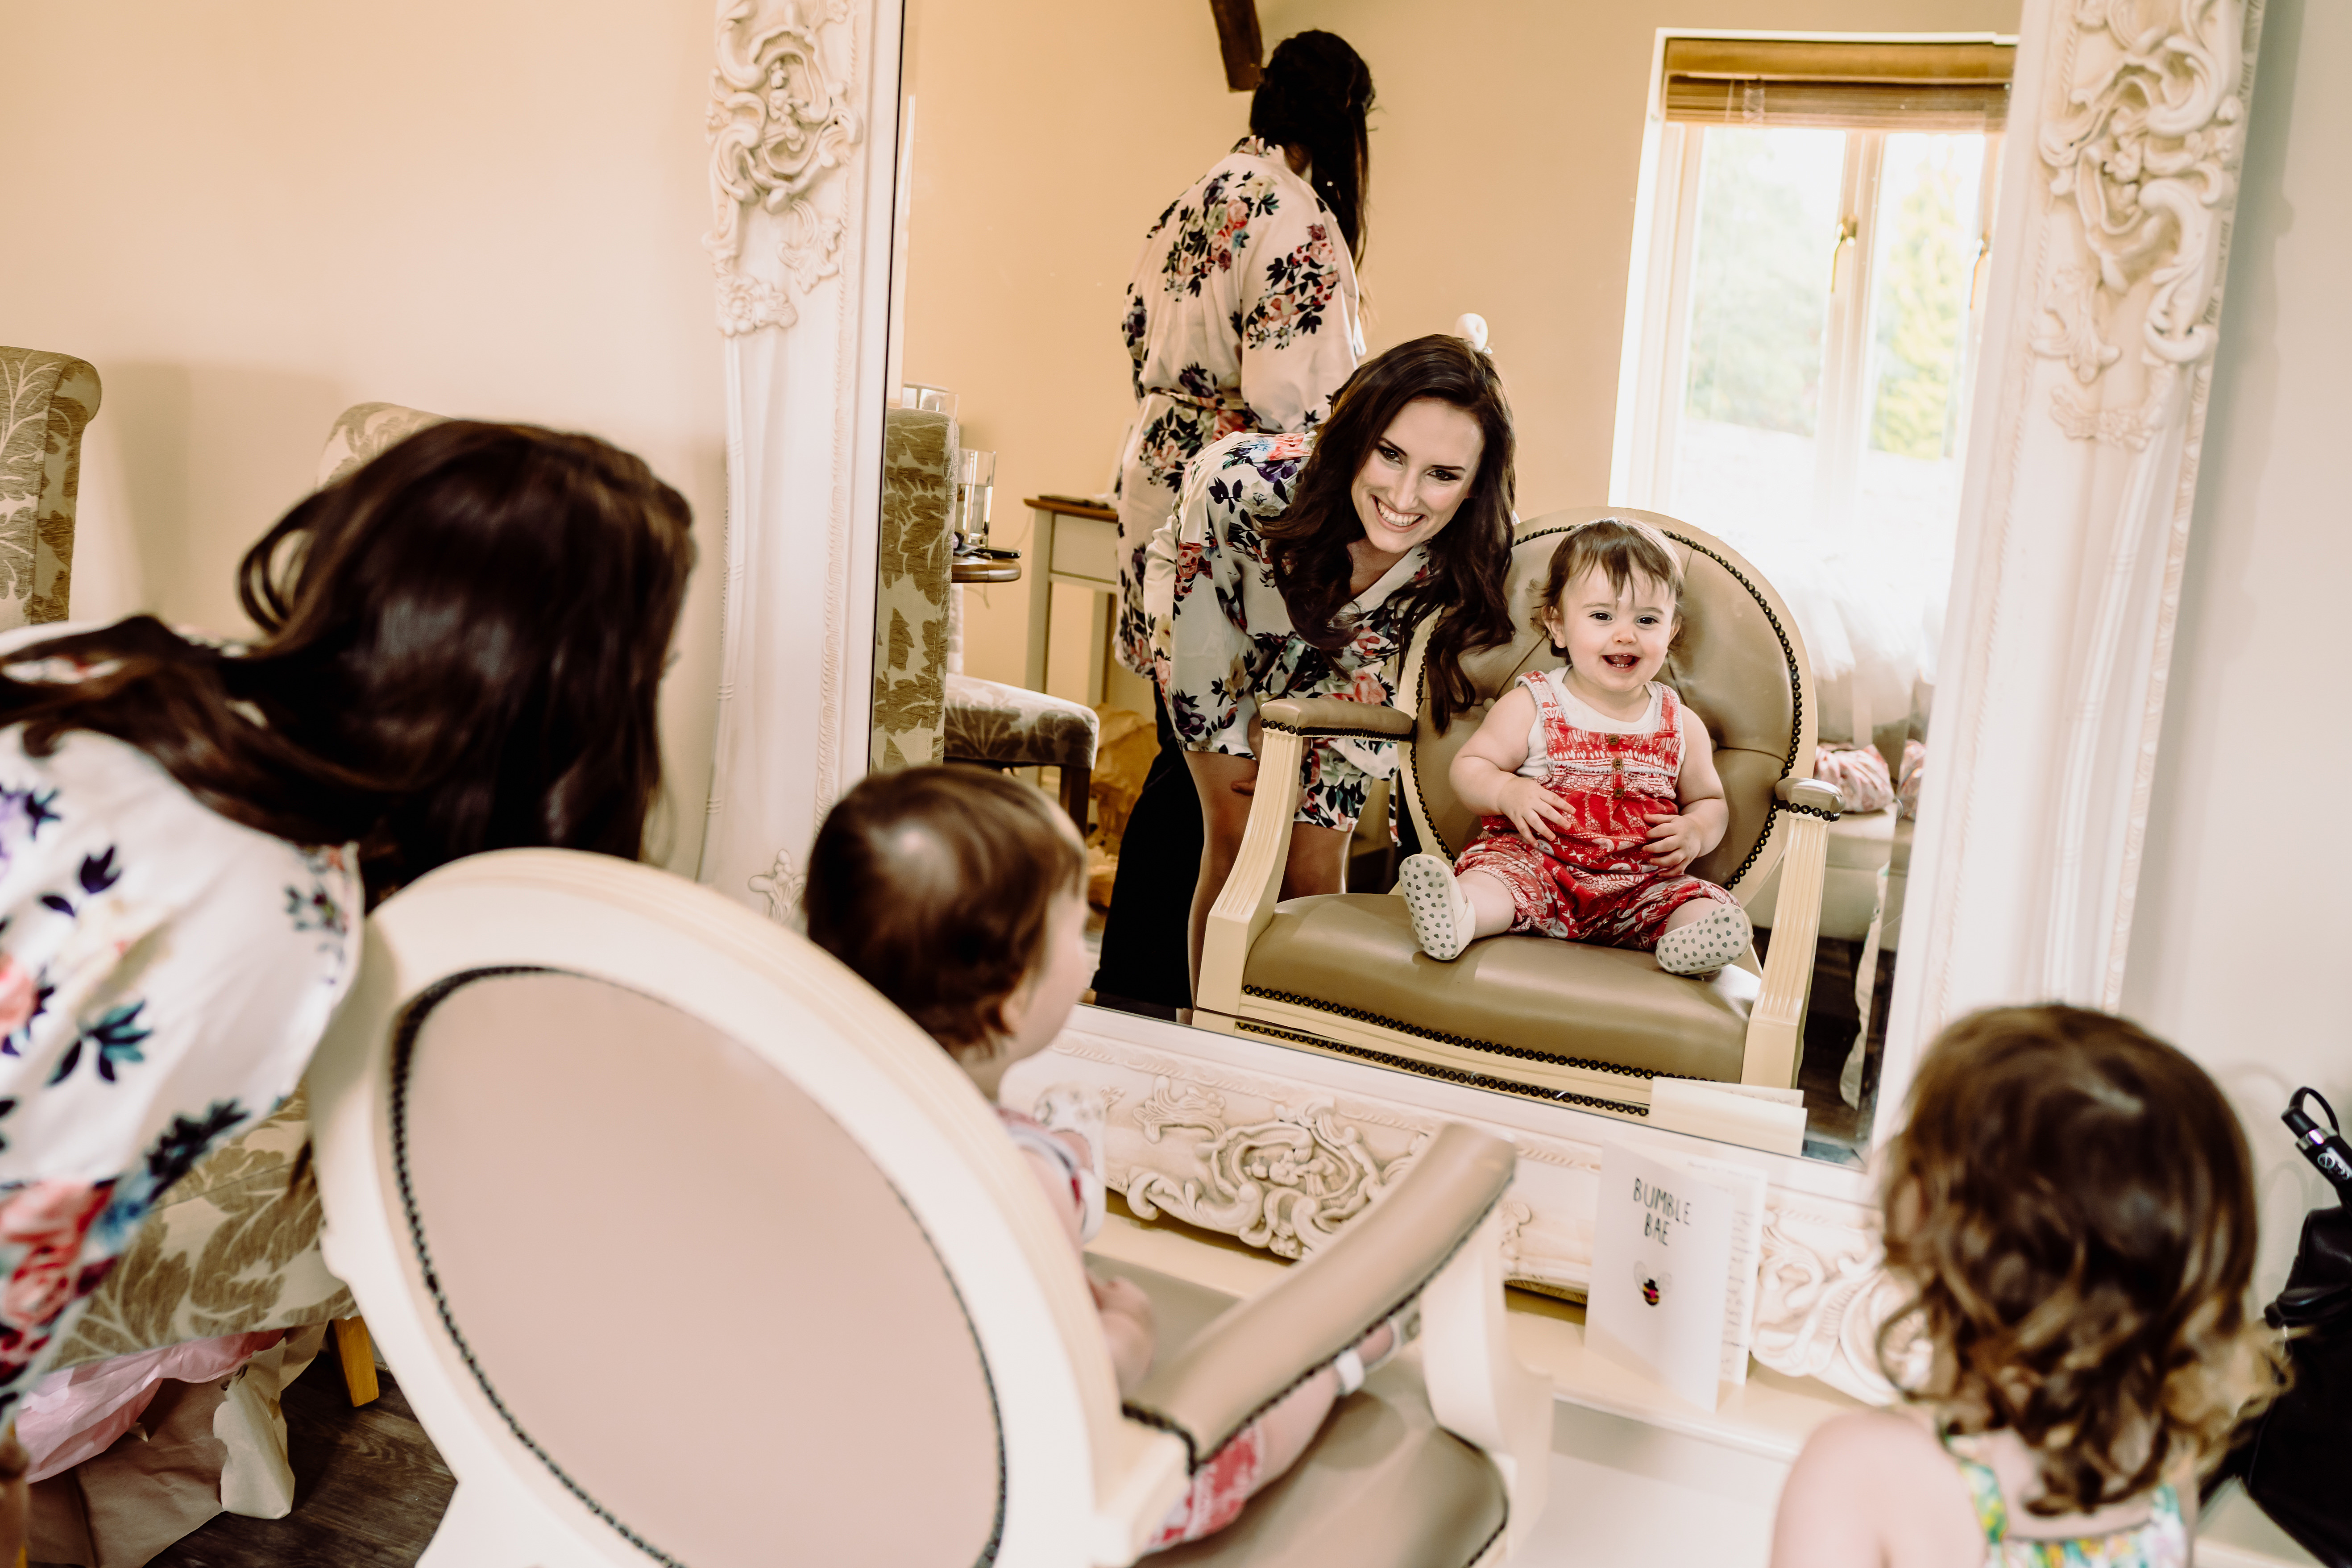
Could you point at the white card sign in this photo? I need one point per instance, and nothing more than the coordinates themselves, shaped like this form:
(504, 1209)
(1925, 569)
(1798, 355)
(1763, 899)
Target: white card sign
(1673, 1260)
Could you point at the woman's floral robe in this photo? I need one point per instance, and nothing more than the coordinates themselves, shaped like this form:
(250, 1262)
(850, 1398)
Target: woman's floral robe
(1241, 316)
(1224, 642)
(164, 974)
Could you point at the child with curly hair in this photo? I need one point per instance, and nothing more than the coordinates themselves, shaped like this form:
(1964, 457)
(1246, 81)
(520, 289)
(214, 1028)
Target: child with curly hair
(2072, 1207)
(959, 894)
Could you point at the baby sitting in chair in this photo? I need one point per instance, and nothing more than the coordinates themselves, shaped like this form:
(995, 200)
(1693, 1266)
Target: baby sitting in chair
(959, 894)
(1597, 786)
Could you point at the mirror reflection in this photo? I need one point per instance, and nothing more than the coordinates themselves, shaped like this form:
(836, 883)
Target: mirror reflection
(1586, 602)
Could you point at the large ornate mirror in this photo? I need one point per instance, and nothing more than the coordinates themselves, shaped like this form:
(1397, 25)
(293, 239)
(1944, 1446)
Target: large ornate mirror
(1737, 282)
(1901, 336)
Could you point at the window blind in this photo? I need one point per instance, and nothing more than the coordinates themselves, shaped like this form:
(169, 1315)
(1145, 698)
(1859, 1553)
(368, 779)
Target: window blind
(1961, 87)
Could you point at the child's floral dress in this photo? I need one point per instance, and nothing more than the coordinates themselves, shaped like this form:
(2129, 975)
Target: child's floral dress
(2161, 1541)
(1224, 644)
(1241, 316)
(165, 975)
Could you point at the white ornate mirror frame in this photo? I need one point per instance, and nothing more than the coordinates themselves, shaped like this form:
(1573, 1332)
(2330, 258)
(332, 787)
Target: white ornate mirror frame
(2119, 186)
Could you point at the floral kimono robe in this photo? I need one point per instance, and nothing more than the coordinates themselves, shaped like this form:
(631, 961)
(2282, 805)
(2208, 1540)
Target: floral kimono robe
(1241, 316)
(1224, 643)
(165, 975)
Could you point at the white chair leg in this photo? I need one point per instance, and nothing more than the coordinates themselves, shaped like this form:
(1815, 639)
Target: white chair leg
(1477, 1388)
(485, 1527)
(1865, 992)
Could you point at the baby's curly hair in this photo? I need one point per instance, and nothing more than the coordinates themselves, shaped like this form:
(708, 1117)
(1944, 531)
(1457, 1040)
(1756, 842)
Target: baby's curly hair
(1621, 550)
(2074, 1206)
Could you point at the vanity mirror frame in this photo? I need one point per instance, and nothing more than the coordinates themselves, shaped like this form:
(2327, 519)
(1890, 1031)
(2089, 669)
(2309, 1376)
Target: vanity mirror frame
(2117, 191)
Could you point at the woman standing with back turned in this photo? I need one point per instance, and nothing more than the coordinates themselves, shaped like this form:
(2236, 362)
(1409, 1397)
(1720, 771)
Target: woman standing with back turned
(1242, 315)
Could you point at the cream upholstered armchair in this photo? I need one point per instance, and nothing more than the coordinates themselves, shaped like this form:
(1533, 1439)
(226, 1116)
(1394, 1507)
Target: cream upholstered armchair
(926, 709)
(1586, 1026)
(826, 1302)
(46, 400)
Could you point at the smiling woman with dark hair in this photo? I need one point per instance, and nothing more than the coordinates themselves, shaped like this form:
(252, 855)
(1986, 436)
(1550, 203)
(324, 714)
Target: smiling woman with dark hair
(1301, 566)
(460, 649)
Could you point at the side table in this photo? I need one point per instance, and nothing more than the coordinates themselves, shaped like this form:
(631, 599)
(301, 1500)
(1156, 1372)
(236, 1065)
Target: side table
(1076, 542)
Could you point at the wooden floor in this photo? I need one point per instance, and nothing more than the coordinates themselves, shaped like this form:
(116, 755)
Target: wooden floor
(368, 1487)
(1835, 1130)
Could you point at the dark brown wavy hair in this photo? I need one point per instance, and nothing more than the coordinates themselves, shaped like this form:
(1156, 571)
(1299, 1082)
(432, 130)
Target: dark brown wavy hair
(1470, 557)
(1316, 93)
(1620, 548)
(2074, 1206)
(460, 647)
(934, 884)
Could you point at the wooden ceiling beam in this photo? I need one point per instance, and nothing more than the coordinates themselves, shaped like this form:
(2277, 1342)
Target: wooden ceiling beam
(1237, 37)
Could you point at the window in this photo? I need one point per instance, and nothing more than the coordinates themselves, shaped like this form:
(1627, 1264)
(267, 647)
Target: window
(1801, 346)
(1802, 326)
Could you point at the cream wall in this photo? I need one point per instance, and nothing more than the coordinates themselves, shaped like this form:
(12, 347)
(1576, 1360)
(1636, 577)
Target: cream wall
(2244, 931)
(1506, 149)
(251, 213)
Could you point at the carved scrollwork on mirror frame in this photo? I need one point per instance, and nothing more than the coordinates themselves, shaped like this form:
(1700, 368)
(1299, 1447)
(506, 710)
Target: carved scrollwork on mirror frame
(1516, 1217)
(1276, 1164)
(2149, 156)
(1822, 1294)
(1287, 1184)
(780, 123)
(778, 888)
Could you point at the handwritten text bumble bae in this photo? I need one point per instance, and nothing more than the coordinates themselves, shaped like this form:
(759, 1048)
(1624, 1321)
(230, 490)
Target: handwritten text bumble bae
(1661, 1210)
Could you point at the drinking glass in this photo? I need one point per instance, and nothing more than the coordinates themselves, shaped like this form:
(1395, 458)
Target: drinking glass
(927, 399)
(975, 489)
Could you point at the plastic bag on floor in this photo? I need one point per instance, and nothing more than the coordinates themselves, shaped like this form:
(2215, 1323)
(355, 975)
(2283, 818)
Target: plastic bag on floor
(77, 1414)
(256, 1479)
(194, 1447)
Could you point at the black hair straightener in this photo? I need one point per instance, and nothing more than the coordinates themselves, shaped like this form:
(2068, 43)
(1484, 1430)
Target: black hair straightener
(2323, 1146)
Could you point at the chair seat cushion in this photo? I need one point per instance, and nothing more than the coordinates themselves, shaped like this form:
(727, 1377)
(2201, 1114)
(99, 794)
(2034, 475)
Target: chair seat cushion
(1354, 954)
(1010, 726)
(1383, 1486)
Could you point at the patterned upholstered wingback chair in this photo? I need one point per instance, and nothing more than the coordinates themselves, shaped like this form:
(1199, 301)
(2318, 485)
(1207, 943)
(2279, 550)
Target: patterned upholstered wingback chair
(363, 432)
(45, 401)
(911, 590)
(926, 709)
(1529, 1014)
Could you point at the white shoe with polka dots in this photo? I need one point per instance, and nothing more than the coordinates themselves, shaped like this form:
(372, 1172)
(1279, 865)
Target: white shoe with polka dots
(1442, 917)
(1706, 944)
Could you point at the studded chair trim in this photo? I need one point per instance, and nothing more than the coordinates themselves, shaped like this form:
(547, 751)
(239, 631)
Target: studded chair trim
(403, 1057)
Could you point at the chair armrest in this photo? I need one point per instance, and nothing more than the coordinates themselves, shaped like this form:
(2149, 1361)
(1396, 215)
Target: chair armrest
(1259, 1350)
(1811, 795)
(1245, 904)
(1778, 1017)
(1323, 715)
